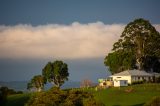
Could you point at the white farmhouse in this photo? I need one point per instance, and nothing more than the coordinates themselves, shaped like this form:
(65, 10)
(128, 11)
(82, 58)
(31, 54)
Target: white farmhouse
(127, 77)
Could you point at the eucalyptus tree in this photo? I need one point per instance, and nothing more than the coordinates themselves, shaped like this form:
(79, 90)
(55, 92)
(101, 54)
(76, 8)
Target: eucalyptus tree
(55, 72)
(139, 40)
(37, 82)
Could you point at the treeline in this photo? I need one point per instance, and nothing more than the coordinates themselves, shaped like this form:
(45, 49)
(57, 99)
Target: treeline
(4, 92)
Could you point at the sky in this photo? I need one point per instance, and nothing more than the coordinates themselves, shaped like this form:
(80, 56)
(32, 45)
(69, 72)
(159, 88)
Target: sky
(79, 32)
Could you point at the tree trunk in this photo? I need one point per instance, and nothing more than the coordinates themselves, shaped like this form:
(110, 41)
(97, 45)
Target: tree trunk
(57, 84)
(140, 51)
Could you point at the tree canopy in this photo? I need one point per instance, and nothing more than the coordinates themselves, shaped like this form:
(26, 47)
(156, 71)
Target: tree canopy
(37, 82)
(55, 72)
(138, 47)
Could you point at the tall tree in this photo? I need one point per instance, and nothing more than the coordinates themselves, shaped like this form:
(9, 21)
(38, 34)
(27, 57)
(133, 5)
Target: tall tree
(141, 40)
(55, 72)
(120, 60)
(37, 82)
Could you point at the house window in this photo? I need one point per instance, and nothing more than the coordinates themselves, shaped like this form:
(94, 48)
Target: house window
(138, 78)
(118, 77)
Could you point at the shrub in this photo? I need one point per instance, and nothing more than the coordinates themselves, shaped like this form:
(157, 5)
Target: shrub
(157, 80)
(57, 97)
(137, 82)
(49, 98)
(92, 102)
(155, 101)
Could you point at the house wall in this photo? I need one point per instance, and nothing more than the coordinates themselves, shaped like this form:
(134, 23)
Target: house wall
(118, 83)
(131, 79)
(128, 78)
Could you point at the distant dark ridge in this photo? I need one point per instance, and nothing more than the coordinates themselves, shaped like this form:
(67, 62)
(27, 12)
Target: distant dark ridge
(16, 85)
(22, 85)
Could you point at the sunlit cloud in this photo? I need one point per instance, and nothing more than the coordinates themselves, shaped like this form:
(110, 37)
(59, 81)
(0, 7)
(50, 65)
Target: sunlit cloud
(59, 41)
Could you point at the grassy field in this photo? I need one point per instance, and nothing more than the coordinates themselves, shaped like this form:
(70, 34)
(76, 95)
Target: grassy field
(18, 99)
(135, 95)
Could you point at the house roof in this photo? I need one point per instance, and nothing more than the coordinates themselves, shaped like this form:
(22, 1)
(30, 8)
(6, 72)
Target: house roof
(133, 73)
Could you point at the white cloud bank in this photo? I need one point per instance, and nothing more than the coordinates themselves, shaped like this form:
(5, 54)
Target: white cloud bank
(59, 41)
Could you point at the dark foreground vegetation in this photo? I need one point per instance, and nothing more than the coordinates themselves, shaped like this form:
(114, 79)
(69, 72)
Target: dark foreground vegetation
(18, 99)
(57, 97)
(5, 92)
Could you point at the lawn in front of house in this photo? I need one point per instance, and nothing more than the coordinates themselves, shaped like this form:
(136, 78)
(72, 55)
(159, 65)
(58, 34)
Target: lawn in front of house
(135, 95)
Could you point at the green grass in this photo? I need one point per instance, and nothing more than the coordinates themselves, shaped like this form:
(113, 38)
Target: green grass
(18, 99)
(119, 97)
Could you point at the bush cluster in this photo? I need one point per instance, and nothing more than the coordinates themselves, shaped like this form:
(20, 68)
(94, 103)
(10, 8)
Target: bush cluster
(57, 97)
(157, 80)
(137, 82)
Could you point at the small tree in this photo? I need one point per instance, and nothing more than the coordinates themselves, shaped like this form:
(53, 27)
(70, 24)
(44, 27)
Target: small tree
(86, 83)
(37, 82)
(55, 72)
